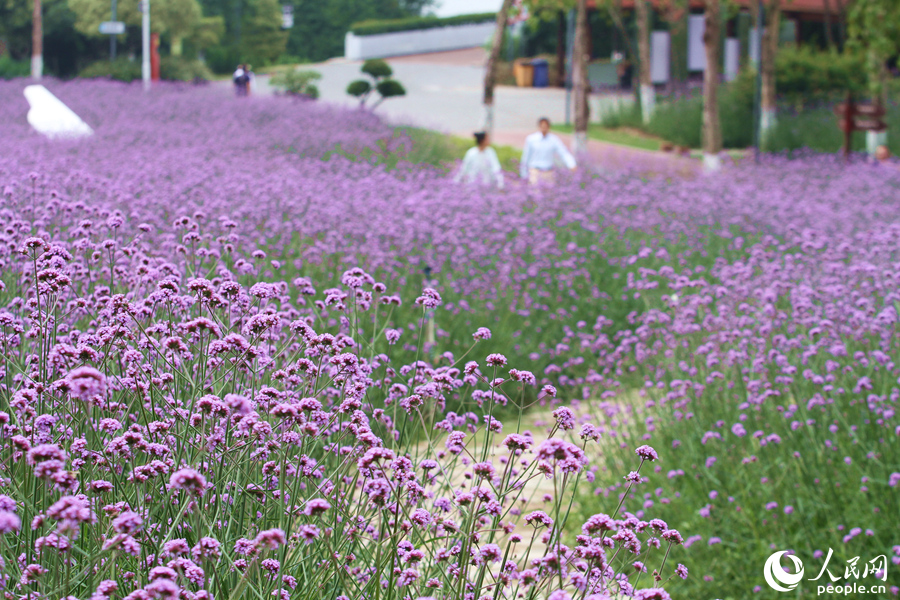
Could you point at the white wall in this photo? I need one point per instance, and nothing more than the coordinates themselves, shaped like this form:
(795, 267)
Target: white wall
(696, 51)
(732, 58)
(416, 42)
(451, 8)
(660, 44)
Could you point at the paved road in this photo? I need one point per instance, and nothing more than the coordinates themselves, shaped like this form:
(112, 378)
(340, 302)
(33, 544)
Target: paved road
(444, 93)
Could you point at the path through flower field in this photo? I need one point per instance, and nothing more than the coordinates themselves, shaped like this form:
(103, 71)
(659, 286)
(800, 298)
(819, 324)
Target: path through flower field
(217, 379)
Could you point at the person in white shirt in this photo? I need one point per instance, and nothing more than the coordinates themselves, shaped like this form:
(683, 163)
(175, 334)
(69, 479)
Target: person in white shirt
(542, 149)
(240, 80)
(480, 164)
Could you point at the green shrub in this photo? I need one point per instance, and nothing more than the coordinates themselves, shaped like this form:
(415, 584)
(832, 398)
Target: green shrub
(359, 88)
(176, 68)
(289, 59)
(377, 68)
(681, 121)
(390, 88)
(380, 72)
(297, 83)
(804, 75)
(120, 69)
(377, 26)
(222, 60)
(817, 129)
(10, 69)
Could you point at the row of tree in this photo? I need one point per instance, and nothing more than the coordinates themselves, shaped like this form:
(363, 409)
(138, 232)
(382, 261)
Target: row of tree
(225, 32)
(873, 28)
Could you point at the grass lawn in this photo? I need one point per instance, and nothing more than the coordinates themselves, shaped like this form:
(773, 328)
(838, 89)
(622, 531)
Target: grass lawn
(623, 136)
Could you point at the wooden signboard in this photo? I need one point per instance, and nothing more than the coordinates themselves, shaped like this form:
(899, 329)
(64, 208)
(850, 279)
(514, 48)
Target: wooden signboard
(858, 117)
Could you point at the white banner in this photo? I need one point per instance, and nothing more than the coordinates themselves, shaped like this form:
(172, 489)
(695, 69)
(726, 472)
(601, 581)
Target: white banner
(732, 58)
(696, 52)
(660, 44)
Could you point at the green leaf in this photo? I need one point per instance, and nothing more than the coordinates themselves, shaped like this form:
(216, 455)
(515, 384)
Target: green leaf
(359, 88)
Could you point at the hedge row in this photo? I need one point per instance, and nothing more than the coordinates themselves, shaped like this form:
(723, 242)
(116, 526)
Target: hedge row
(376, 26)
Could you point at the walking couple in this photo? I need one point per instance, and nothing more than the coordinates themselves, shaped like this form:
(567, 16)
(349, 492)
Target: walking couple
(542, 151)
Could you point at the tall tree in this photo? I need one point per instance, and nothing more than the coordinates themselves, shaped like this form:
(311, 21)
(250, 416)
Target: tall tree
(320, 26)
(490, 69)
(177, 18)
(647, 91)
(553, 10)
(37, 42)
(580, 81)
(873, 27)
(712, 128)
(181, 17)
(262, 39)
(770, 35)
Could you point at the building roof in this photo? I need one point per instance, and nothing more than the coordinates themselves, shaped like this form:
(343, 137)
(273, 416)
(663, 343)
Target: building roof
(796, 6)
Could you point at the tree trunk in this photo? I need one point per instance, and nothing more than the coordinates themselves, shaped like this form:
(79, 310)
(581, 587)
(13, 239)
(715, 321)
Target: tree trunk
(712, 130)
(580, 84)
(490, 69)
(829, 37)
(561, 50)
(37, 42)
(648, 94)
(769, 50)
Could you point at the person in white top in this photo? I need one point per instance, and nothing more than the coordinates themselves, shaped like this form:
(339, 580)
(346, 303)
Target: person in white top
(480, 164)
(542, 149)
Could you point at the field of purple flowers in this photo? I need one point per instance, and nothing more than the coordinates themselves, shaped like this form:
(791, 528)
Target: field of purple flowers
(219, 379)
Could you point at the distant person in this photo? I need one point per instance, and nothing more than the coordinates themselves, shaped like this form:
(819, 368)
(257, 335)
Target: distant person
(480, 164)
(250, 79)
(542, 150)
(241, 81)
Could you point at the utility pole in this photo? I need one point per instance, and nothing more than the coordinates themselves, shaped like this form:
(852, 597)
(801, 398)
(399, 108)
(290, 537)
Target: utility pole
(37, 42)
(145, 43)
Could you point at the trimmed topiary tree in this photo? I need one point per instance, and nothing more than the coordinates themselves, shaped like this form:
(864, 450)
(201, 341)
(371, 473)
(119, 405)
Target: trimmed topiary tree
(381, 83)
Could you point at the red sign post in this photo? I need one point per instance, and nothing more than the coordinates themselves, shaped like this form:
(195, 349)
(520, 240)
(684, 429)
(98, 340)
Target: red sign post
(858, 117)
(154, 57)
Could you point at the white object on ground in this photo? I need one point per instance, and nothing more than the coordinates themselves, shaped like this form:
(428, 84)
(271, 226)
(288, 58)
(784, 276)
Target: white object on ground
(768, 118)
(50, 117)
(875, 139)
(712, 163)
(648, 102)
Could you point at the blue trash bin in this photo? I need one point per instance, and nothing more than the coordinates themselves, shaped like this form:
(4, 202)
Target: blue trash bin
(541, 73)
